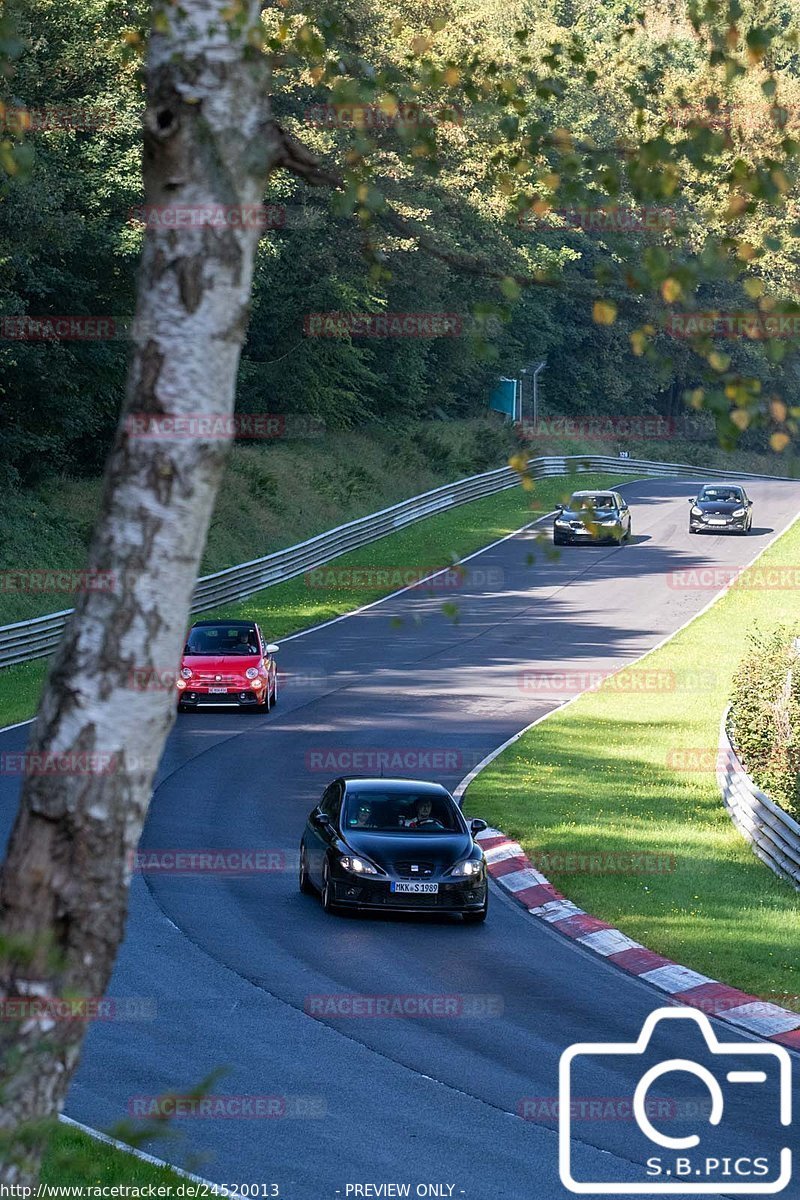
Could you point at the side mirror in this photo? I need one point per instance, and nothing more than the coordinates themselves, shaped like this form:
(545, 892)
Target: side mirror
(477, 825)
(559, 508)
(321, 819)
(749, 503)
(271, 648)
(692, 499)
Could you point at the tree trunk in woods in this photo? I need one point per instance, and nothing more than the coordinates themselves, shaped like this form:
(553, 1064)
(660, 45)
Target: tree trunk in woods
(208, 140)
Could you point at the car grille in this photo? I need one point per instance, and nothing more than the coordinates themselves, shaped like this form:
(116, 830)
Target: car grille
(204, 677)
(424, 869)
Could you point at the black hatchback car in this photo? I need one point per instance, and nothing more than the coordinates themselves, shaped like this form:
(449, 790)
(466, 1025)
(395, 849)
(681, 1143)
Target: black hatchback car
(721, 508)
(393, 844)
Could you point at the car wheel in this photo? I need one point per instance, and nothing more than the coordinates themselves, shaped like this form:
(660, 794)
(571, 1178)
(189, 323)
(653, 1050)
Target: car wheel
(327, 889)
(306, 886)
(275, 690)
(628, 534)
(476, 918)
(558, 540)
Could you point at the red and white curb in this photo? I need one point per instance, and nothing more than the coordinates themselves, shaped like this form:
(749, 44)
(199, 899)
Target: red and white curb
(512, 870)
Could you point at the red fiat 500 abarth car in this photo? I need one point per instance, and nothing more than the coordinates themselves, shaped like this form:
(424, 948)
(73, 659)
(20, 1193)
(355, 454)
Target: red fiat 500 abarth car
(227, 663)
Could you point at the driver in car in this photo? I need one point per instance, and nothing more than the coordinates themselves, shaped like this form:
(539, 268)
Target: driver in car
(423, 814)
(363, 815)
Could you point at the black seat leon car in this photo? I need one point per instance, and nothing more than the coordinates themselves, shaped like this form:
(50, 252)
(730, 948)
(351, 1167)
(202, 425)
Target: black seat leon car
(393, 844)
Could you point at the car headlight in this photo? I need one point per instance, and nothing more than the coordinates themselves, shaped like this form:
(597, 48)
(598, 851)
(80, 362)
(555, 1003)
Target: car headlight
(186, 673)
(739, 512)
(611, 521)
(251, 672)
(696, 512)
(469, 868)
(359, 866)
(561, 521)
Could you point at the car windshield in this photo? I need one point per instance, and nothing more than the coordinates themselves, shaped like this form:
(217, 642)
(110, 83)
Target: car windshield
(590, 503)
(730, 494)
(401, 812)
(220, 639)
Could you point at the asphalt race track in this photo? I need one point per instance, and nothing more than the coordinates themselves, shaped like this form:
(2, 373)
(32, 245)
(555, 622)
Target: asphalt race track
(233, 967)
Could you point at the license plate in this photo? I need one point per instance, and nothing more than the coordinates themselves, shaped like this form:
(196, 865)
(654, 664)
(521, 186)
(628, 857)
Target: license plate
(414, 886)
(717, 521)
(218, 691)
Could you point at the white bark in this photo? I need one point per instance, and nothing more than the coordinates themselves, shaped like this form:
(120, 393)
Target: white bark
(63, 889)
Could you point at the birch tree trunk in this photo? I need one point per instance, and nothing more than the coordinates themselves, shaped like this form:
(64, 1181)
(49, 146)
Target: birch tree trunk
(208, 140)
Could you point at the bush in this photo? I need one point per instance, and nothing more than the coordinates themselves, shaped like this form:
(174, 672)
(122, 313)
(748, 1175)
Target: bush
(764, 721)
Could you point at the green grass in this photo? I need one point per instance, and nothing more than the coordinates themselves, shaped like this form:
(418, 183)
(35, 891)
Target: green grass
(601, 777)
(294, 605)
(74, 1158)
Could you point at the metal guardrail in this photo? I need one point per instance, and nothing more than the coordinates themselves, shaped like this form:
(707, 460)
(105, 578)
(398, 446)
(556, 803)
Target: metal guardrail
(28, 640)
(772, 833)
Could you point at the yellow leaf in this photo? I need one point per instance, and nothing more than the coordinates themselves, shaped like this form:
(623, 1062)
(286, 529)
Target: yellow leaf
(696, 397)
(527, 484)
(778, 410)
(551, 180)
(736, 206)
(452, 76)
(638, 342)
(131, 37)
(671, 290)
(420, 44)
(316, 74)
(745, 251)
(604, 312)
(717, 361)
(779, 441)
(518, 462)
(754, 288)
(781, 180)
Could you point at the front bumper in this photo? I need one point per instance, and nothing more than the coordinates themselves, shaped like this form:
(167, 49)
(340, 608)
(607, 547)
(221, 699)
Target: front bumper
(602, 533)
(376, 895)
(730, 525)
(201, 697)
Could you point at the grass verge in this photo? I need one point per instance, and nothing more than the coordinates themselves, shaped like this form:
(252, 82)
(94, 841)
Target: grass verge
(296, 604)
(632, 771)
(74, 1158)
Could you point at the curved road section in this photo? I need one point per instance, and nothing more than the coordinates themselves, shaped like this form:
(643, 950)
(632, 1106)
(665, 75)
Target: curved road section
(367, 1056)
